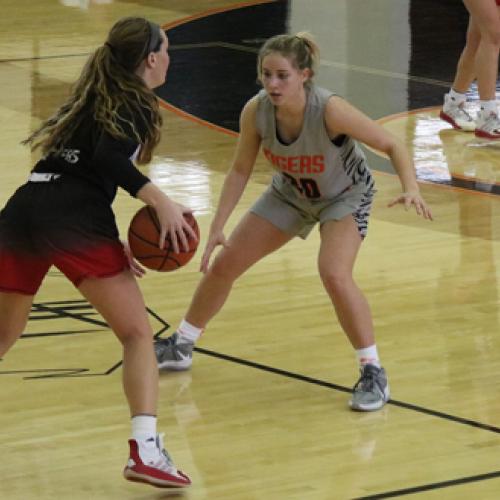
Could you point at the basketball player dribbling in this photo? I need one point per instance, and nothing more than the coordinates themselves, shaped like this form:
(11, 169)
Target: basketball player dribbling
(63, 217)
(478, 61)
(308, 136)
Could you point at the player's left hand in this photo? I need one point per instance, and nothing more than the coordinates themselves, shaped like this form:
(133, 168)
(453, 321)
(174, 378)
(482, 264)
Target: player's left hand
(414, 198)
(137, 270)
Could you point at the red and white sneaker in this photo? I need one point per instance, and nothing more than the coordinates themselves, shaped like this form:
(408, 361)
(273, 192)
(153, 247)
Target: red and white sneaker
(488, 126)
(150, 463)
(456, 115)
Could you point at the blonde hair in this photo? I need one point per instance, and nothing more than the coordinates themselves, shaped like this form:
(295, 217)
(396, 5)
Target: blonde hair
(108, 86)
(300, 49)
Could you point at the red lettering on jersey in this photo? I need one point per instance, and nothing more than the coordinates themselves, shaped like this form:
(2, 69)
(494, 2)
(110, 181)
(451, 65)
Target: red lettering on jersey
(318, 162)
(282, 162)
(305, 164)
(293, 164)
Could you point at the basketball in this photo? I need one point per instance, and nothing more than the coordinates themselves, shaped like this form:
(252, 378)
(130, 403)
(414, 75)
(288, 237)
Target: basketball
(143, 236)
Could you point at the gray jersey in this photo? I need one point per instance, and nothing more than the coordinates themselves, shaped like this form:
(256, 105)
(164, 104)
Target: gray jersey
(313, 165)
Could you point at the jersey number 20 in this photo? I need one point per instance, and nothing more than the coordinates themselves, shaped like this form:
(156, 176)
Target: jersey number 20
(305, 186)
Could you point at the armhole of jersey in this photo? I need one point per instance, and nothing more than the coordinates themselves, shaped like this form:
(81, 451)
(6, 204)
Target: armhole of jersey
(260, 116)
(340, 139)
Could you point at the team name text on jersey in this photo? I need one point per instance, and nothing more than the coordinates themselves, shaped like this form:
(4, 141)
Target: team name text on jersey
(303, 164)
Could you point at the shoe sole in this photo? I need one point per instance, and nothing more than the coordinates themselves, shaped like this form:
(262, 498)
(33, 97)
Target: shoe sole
(130, 475)
(452, 122)
(374, 406)
(175, 366)
(484, 135)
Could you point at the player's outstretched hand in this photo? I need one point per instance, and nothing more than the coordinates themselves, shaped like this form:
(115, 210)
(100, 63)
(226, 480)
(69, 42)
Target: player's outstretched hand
(214, 239)
(413, 198)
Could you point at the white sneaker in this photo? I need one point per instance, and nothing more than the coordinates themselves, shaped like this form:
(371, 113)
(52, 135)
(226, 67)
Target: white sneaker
(456, 115)
(488, 125)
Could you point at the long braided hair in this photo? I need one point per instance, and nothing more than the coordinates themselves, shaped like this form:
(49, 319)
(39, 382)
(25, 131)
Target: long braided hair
(107, 85)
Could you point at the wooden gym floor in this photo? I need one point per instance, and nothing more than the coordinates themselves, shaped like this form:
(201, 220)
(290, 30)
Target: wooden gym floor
(263, 413)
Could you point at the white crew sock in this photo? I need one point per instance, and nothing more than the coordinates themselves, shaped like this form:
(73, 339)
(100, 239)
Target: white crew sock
(188, 332)
(368, 356)
(143, 427)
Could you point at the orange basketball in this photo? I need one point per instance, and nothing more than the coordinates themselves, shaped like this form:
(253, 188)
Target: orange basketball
(143, 236)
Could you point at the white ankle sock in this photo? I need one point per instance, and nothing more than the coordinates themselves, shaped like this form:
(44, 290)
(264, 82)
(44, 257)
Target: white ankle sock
(458, 97)
(188, 332)
(143, 427)
(488, 107)
(368, 356)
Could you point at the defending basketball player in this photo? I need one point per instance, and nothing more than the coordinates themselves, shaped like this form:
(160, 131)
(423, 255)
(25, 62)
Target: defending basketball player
(308, 135)
(63, 217)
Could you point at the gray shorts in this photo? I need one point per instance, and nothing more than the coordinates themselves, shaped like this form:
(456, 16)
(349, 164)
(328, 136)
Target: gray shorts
(297, 216)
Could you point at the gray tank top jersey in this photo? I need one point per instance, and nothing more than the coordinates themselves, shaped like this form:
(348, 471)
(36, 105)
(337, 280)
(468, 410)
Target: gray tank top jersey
(312, 165)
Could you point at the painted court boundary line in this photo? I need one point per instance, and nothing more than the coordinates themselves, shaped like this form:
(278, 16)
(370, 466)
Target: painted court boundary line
(331, 385)
(393, 402)
(431, 486)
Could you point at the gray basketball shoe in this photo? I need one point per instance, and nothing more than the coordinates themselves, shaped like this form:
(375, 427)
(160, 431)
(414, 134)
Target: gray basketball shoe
(171, 354)
(371, 391)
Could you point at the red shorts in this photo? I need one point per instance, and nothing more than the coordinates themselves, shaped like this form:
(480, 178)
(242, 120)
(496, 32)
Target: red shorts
(498, 2)
(24, 273)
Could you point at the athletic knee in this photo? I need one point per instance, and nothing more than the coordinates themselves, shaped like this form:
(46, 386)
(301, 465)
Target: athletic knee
(223, 269)
(491, 37)
(132, 334)
(336, 281)
(472, 44)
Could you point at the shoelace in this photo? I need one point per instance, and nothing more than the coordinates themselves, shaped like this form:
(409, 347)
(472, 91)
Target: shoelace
(163, 344)
(165, 462)
(367, 381)
(465, 114)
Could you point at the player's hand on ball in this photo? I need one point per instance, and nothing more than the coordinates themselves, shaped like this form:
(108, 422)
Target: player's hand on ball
(173, 223)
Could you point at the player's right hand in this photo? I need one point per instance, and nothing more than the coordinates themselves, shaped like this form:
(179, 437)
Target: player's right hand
(173, 223)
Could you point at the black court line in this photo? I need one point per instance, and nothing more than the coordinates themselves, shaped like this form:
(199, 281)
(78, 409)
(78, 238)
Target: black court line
(323, 383)
(431, 486)
(401, 404)
(61, 312)
(52, 372)
(71, 373)
(64, 332)
(41, 58)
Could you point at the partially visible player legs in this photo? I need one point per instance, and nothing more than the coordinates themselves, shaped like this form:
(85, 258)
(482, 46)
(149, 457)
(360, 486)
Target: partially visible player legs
(14, 313)
(453, 110)
(486, 15)
(119, 300)
(175, 352)
(340, 243)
